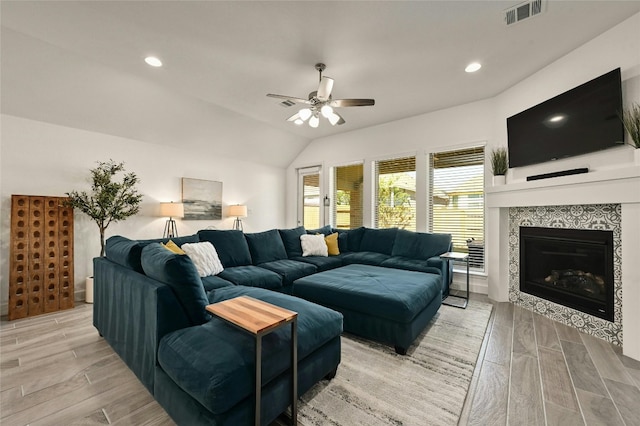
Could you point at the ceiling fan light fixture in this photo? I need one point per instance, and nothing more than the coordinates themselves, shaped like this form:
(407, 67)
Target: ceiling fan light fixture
(333, 118)
(304, 113)
(320, 102)
(326, 111)
(473, 67)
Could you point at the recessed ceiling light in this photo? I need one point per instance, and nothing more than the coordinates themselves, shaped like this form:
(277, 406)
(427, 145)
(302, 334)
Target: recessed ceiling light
(473, 67)
(153, 61)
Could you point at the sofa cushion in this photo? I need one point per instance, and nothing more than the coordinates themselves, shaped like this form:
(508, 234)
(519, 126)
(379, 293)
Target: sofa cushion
(124, 252)
(325, 230)
(215, 362)
(179, 273)
(213, 282)
(378, 240)
(291, 240)
(364, 258)
(410, 264)
(290, 270)
(231, 246)
(266, 246)
(320, 262)
(179, 241)
(343, 240)
(252, 276)
(420, 245)
(354, 239)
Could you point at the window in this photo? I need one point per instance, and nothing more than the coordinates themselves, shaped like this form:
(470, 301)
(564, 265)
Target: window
(395, 200)
(309, 197)
(456, 191)
(347, 196)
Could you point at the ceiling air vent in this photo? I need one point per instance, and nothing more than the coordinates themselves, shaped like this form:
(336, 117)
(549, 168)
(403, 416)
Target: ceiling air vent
(287, 103)
(523, 11)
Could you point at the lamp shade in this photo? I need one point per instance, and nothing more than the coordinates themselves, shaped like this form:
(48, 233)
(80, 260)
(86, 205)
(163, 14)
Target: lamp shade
(172, 209)
(238, 210)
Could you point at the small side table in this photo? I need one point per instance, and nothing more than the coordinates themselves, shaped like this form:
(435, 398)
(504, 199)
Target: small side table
(260, 318)
(458, 257)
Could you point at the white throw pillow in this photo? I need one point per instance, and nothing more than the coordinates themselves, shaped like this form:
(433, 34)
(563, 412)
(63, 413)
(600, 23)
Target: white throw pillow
(313, 245)
(205, 257)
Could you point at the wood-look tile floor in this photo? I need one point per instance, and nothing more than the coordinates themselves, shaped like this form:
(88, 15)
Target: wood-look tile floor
(535, 371)
(56, 370)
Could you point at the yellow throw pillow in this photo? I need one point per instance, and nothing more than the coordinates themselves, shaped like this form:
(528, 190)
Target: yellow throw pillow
(332, 244)
(171, 246)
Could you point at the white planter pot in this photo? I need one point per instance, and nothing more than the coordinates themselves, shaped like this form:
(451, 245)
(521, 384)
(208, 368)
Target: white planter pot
(499, 180)
(88, 294)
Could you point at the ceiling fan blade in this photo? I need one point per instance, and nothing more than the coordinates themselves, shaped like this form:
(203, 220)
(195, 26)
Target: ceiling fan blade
(337, 103)
(324, 89)
(294, 117)
(290, 98)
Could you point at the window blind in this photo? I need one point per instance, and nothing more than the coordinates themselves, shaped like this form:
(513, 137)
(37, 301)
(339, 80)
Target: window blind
(395, 193)
(456, 191)
(347, 196)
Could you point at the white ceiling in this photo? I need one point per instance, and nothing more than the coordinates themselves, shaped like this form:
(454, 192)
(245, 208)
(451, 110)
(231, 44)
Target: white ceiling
(80, 64)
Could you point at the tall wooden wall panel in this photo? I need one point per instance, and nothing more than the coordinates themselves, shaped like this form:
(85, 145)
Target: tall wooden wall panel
(41, 270)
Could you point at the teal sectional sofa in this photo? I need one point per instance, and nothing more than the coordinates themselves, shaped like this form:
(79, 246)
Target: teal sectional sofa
(149, 306)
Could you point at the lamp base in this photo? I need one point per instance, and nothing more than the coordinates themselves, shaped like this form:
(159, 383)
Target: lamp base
(237, 224)
(170, 229)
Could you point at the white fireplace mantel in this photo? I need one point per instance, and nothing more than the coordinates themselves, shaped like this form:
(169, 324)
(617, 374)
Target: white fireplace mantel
(611, 186)
(606, 186)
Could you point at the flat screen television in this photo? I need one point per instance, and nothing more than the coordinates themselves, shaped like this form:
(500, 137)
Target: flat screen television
(582, 120)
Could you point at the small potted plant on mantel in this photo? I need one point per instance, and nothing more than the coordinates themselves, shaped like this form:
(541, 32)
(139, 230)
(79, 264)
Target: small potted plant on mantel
(631, 120)
(499, 165)
(109, 202)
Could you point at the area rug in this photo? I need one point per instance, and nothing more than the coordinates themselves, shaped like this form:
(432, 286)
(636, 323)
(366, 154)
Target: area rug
(428, 386)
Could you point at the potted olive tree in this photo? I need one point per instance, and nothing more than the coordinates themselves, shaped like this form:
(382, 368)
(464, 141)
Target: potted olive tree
(109, 201)
(499, 165)
(631, 120)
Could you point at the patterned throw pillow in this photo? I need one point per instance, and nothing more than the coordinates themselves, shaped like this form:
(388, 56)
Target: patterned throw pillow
(205, 258)
(313, 245)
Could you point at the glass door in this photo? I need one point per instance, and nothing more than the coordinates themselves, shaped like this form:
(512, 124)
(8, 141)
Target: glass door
(310, 213)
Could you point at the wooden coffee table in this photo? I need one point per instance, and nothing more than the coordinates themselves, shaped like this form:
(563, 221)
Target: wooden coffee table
(260, 318)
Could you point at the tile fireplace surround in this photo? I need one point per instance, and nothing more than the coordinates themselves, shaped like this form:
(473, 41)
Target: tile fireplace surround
(607, 199)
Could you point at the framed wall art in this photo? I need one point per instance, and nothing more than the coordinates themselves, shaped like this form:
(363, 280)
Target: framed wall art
(202, 199)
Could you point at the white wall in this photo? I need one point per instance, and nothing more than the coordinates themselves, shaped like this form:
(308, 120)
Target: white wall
(43, 159)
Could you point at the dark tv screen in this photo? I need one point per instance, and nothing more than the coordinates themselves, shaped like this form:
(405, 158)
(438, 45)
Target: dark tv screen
(582, 120)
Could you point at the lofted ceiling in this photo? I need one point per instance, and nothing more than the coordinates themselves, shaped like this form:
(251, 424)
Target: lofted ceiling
(80, 63)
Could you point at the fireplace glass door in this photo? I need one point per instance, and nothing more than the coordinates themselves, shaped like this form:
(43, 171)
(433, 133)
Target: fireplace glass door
(572, 267)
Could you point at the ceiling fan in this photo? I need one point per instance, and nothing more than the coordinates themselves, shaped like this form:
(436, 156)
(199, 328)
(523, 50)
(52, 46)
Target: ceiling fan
(320, 103)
